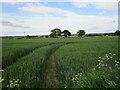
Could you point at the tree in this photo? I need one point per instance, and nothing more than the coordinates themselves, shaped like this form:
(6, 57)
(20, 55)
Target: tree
(117, 32)
(55, 32)
(28, 36)
(52, 35)
(66, 33)
(81, 32)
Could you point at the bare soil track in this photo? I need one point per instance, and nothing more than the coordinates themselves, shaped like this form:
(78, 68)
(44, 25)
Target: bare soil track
(50, 74)
(50, 78)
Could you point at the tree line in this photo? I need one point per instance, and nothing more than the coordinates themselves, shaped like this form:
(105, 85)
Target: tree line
(57, 32)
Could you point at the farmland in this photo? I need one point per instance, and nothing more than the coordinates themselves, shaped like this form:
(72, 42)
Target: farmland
(88, 62)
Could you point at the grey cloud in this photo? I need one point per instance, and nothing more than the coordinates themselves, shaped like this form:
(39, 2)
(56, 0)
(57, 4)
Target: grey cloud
(8, 23)
(114, 21)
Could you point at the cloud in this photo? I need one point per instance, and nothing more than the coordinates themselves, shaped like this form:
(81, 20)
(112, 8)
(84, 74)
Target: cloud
(80, 4)
(107, 5)
(94, 0)
(3, 14)
(43, 10)
(42, 24)
(8, 23)
(59, 0)
(74, 1)
(98, 5)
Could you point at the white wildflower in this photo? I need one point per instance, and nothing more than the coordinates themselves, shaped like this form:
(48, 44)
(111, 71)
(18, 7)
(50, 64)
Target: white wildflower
(98, 60)
(111, 57)
(110, 53)
(16, 81)
(73, 78)
(98, 67)
(65, 87)
(99, 57)
(115, 60)
(114, 54)
(116, 64)
(10, 81)
(1, 70)
(80, 74)
(1, 79)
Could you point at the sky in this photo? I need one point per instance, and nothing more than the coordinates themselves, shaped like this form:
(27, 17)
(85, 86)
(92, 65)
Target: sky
(39, 18)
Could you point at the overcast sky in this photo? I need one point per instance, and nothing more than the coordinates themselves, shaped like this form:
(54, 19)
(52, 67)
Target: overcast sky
(38, 18)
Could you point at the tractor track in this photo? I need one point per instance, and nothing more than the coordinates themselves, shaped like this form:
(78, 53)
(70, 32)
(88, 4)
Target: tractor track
(50, 77)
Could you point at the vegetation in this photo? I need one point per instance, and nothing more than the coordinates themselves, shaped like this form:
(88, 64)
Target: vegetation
(66, 33)
(55, 33)
(18, 50)
(29, 69)
(81, 33)
(77, 60)
(82, 66)
(117, 32)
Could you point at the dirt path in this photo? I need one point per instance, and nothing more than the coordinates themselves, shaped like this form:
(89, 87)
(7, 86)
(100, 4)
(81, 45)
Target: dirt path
(50, 77)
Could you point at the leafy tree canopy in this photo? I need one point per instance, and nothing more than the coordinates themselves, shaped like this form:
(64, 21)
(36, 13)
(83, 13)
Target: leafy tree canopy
(55, 32)
(66, 33)
(117, 32)
(81, 32)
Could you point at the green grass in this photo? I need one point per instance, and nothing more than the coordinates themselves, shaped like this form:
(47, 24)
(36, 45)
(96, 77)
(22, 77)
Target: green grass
(82, 59)
(25, 59)
(14, 49)
(29, 69)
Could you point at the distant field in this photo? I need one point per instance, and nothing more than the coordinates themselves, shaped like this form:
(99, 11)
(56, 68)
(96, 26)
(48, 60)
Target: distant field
(88, 62)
